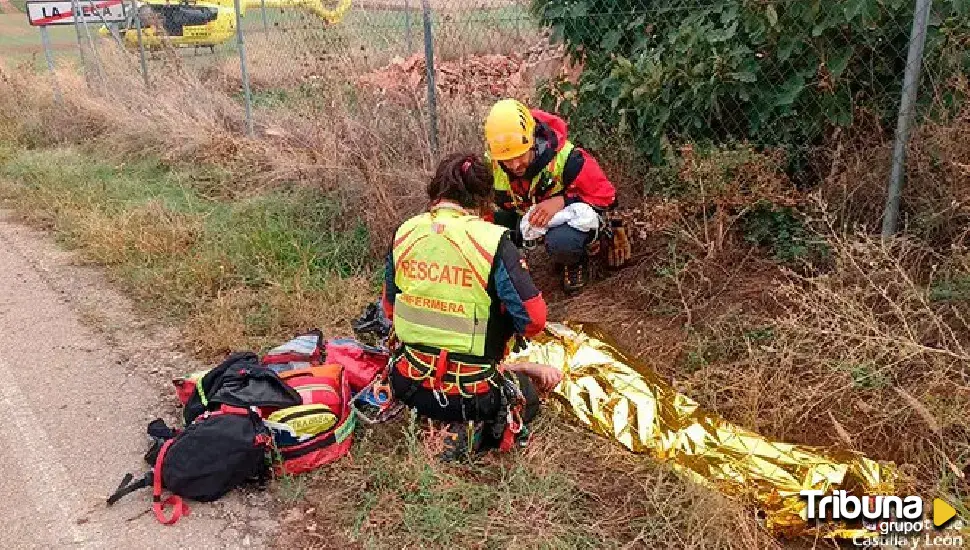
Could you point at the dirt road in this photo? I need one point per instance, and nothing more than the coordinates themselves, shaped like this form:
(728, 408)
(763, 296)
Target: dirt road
(80, 378)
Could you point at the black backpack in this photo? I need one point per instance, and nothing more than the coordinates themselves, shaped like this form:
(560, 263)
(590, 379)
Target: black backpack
(224, 443)
(239, 381)
(220, 451)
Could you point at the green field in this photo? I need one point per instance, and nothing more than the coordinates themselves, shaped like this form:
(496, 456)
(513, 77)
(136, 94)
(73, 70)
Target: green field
(384, 30)
(19, 42)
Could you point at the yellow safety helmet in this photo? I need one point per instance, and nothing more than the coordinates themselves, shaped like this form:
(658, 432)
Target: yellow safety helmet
(509, 130)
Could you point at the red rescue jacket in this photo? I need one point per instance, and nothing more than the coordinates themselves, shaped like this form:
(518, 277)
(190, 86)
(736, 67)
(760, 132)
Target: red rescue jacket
(583, 178)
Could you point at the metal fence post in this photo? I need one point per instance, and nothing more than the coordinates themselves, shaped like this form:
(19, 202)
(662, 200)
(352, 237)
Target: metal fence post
(141, 44)
(245, 73)
(914, 63)
(407, 26)
(432, 90)
(45, 39)
(262, 5)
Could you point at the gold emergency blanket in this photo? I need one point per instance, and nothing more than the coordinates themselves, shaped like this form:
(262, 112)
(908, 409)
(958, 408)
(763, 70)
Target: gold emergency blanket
(620, 398)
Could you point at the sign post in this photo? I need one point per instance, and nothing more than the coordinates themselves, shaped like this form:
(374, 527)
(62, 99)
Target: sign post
(80, 43)
(112, 28)
(82, 14)
(43, 13)
(46, 41)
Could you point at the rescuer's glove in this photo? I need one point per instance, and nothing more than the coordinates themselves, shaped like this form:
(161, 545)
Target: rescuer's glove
(618, 246)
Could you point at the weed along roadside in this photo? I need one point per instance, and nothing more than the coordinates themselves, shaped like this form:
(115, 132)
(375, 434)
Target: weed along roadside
(237, 273)
(763, 339)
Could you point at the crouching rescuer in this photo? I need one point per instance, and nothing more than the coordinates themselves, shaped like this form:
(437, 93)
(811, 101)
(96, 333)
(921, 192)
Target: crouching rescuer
(458, 294)
(538, 171)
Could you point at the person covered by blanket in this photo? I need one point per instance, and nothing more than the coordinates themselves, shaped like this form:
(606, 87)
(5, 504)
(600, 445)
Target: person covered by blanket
(459, 296)
(536, 166)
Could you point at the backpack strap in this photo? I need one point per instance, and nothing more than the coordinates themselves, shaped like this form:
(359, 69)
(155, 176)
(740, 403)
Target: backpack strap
(179, 508)
(202, 397)
(127, 486)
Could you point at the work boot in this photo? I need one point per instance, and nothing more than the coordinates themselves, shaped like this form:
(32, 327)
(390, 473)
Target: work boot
(460, 440)
(575, 277)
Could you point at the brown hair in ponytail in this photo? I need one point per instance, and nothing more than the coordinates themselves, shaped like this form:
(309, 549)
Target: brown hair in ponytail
(463, 178)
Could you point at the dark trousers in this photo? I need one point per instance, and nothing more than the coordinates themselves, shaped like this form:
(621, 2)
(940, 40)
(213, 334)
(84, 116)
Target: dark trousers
(564, 244)
(484, 407)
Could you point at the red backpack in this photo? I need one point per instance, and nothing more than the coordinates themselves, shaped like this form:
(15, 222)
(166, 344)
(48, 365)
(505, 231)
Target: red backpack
(320, 430)
(362, 363)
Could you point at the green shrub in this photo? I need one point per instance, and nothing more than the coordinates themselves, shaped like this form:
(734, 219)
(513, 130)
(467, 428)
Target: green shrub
(774, 73)
(781, 230)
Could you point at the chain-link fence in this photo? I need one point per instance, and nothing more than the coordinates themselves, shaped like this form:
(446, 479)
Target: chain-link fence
(635, 79)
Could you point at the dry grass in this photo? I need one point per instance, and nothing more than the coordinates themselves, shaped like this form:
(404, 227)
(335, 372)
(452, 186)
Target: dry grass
(859, 357)
(935, 205)
(567, 491)
(889, 359)
(148, 231)
(866, 349)
(871, 352)
(244, 319)
(323, 133)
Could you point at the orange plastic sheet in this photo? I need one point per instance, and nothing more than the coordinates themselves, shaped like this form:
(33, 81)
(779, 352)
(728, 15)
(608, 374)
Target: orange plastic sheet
(621, 398)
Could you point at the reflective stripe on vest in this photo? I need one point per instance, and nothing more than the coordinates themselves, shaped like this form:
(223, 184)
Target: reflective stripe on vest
(442, 262)
(558, 165)
(431, 318)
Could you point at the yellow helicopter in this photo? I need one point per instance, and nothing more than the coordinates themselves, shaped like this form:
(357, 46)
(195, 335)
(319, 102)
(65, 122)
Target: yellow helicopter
(204, 23)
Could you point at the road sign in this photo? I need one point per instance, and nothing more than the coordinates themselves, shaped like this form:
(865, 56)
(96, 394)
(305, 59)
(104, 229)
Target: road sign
(59, 12)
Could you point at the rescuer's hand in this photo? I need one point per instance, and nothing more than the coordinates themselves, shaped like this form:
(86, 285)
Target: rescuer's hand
(545, 377)
(545, 210)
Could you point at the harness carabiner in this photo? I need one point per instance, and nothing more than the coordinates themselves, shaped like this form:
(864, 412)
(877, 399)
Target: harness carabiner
(441, 397)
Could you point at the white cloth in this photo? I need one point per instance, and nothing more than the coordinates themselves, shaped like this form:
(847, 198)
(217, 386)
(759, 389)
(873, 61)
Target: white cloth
(578, 215)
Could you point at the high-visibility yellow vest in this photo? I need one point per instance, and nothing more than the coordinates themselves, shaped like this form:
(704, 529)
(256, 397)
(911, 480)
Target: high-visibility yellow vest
(546, 183)
(442, 261)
